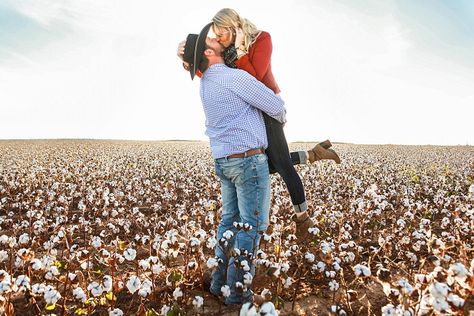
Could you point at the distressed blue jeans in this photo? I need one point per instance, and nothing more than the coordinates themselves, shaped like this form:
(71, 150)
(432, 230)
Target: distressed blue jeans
(245, 189)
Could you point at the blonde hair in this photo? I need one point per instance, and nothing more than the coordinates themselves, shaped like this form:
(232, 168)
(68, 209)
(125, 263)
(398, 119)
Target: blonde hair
(230, 19)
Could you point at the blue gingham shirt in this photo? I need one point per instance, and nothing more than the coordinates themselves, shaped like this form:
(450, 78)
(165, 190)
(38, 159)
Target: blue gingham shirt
(233, 100)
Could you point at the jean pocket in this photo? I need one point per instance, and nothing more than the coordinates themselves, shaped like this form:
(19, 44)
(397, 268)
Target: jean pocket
(261, 158)
(232, 168)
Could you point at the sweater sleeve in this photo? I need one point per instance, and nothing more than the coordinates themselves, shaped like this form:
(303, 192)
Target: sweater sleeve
(261, 52)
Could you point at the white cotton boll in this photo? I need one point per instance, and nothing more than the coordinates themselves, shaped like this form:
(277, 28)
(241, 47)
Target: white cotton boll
(455, 300)
(130, 254)
(261, 254)
(194, 242)
(116, 312)
(72, 276)
(287, 282)
(471, 191)
(320, 266)
(248, 278)
(95, 289)
(5, 286)
(267, 237)
(18, 262)
(333, 286)
(361, 270)
(248, 309)
(330, 274)
(268, 309)
(440, 304)
(36, 264)
(177, 293)
(153, 260)
(54, 270)
(309, 257)
(144, 291)
(458, 271)
(51, 296)
(247, 226)
(49, 276)
(212, 263)
(164, 310)
(228, 234)
(314, 230)
(245, 265)
(144, 264)
(192, 265)
(157, 268)
(225, 290)
(38, 288)
(198, 301)
(79, 294)
(96, 242)
(23, 239)
(107, 283)
(421, 278)
(405, 286)
(165, 244)
(133, 284)
(389, 310)
(23, 282)
(266, 292)
(3, 255)
(211, 243)
(285, 266)
(439, 290)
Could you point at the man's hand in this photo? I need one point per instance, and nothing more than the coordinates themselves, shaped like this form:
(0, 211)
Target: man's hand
(180, 51)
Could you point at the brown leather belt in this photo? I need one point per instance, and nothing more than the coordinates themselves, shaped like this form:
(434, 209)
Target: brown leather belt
(248, 153)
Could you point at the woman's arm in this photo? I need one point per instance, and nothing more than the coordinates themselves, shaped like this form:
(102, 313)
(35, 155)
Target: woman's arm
(261, 52)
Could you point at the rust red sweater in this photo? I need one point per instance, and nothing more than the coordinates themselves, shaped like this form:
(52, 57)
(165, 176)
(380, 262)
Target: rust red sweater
(258, 61)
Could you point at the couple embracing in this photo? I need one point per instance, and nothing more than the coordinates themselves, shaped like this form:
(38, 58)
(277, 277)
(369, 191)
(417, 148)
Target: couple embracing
(245, 117)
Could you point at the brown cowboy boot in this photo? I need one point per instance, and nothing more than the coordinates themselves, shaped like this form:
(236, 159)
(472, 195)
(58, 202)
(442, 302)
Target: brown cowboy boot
(326, 144)
(319, 153)
(303, 223)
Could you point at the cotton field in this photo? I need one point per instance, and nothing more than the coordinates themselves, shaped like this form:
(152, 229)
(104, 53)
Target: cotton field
(128, 228)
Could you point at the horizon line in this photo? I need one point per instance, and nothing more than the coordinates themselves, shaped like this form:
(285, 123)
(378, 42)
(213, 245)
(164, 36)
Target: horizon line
(206, 141)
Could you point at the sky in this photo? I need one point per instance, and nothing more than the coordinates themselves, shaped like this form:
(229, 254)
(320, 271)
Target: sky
(356, 71)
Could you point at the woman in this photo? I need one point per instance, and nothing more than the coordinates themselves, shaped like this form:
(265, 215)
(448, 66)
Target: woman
(249, 49)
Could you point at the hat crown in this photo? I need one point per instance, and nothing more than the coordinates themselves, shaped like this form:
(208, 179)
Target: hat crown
(194, 49)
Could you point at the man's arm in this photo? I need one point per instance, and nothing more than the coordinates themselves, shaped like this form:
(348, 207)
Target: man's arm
(258, 95)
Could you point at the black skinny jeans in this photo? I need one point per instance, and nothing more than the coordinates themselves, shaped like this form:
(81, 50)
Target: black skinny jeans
(280, 160)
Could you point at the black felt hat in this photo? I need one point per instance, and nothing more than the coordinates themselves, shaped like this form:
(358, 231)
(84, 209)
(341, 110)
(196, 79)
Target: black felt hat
(194, 49)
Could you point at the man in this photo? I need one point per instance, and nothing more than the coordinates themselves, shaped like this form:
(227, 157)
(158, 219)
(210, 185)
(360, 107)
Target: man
(233, 101)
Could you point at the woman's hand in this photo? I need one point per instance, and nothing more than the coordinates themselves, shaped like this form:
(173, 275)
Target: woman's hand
(239, 38)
